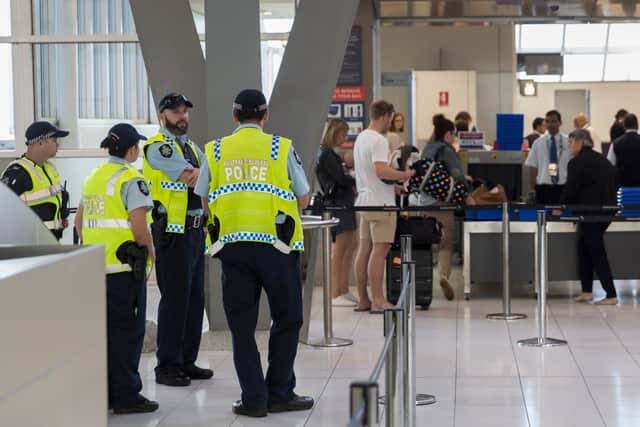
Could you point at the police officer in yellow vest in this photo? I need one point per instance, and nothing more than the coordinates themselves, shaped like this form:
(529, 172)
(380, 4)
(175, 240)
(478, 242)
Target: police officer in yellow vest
(113, 213)
(171, 167)
(253, 185)
(36, 181)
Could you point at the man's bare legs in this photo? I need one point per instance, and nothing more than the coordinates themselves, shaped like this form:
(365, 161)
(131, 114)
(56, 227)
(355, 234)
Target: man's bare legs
(375, 271)
(365, 247)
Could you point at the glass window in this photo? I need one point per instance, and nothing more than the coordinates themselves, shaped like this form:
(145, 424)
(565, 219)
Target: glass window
(7, 131)
(581, 36)
(581, 68)
(272, 54)
(5, 17)
(277, 16)
(51, 17)
(112, 82)
(622, 66)
(624, 37)
(105, 16)
(547, 37)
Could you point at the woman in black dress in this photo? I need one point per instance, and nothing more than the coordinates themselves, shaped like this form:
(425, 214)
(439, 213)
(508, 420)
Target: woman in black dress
(338, 187)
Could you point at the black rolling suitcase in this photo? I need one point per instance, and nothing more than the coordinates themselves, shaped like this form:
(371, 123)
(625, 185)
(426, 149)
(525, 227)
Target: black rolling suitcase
(425, 232)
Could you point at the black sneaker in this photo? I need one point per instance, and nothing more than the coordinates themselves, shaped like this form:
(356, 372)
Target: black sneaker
(238, 408)
(173, 379)
(297, 403)
(140, 406)
(196, 373)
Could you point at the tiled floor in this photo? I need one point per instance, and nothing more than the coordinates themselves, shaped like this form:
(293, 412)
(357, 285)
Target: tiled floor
(473, 366)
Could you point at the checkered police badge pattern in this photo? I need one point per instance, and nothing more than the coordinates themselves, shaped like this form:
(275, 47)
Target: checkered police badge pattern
(243, 236)
(173, 186)
(175, 228)
(251, 186)
(275, 147)
(297, 246)
(216, 149)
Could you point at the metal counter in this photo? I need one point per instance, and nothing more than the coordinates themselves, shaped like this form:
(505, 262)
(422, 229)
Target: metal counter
(482, 262)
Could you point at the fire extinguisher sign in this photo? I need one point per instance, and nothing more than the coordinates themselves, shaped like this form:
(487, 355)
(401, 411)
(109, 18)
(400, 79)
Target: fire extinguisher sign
(443, 99)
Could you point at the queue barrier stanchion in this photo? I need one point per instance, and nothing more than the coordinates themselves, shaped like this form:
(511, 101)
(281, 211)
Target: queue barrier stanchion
(542, 276)
(328, 340)
(412, 398)
(393, 324)
(506, 279)
(364, 404)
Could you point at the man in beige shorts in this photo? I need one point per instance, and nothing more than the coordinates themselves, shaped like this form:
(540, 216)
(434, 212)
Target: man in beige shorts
(377, 229)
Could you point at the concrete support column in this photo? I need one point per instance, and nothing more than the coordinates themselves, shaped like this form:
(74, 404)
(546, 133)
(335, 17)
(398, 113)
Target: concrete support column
(233, 57)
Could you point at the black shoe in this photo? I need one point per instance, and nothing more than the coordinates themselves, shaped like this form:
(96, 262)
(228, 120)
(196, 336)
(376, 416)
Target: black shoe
(195, 373)
(297, 403)
(238, 408)
(140, 406)
(173, 379)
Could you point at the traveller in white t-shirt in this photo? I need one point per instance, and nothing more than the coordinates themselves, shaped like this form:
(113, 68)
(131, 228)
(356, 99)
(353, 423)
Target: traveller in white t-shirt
(377, 229)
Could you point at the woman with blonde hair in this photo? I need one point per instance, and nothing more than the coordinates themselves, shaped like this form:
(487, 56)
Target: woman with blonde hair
(338, 188)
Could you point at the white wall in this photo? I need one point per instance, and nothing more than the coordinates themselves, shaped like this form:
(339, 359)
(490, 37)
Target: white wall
(606, 99)
(487, 50)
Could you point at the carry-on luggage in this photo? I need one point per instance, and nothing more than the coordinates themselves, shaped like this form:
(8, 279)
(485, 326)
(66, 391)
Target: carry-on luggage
(425, 232)
(424, 276)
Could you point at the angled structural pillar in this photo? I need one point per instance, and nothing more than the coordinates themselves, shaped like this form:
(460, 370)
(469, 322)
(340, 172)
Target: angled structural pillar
(173, 56)
(301, 96)
(233, 57)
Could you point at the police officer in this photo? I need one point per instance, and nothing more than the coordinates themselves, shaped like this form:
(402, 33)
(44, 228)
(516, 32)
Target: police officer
(253, 185)
(171, 167)
(113, 212)
(36, 181)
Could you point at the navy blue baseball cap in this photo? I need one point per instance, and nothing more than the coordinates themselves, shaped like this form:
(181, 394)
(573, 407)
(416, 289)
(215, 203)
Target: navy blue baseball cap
(250, 100)
(172, 101)
(38, 131)
(125, 135)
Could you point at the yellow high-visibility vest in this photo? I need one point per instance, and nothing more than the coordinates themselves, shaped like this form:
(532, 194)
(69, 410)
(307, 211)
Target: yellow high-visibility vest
(47, 188)
(173, 195)
(249, 187)
(105, 219)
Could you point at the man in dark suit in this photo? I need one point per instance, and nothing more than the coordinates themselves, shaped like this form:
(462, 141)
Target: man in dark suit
(617, 129)
(625, 153)
(591, 180)
(538, 130)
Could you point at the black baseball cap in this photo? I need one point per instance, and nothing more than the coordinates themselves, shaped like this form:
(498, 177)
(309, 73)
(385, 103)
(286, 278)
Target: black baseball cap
(42, 130)
(250, 100)
(172, 101)
(125, 135)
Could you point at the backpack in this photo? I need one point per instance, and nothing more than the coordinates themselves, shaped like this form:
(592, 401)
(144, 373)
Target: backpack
(432, 177)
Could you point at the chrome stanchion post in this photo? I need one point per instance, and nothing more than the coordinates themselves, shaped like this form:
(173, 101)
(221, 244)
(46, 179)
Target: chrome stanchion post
(366, 392)
(394, 399)
(411, 397)
(542, 276)
(328, 340)
(506, 280)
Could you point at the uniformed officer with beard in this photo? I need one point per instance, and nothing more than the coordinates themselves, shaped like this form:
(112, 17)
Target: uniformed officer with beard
(171, 167)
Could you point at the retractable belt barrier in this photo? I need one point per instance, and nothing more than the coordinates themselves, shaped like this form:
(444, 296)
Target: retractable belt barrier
(398, 359)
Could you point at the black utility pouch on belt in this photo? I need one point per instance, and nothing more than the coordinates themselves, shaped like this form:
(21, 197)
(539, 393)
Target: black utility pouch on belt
(136, 256)
(159, 226)
(64, 202)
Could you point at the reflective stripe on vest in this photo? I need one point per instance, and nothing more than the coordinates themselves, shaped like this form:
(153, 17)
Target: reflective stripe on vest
(106, 223)
(45, 193)
(55, 224)
(251, 186)
(117, 268)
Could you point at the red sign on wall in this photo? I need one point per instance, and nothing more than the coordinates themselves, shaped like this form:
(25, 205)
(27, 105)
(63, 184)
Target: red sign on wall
(349, 93)
(443, 99)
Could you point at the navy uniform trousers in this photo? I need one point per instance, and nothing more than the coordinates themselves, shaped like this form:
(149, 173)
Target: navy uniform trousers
(180, 276)
(246, 269)
(126, 314)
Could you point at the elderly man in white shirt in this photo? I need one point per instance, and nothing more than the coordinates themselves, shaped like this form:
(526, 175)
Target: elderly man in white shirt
(548, 162)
